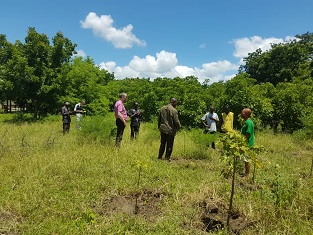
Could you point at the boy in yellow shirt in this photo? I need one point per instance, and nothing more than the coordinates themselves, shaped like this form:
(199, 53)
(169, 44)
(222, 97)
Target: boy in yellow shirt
(228, 120)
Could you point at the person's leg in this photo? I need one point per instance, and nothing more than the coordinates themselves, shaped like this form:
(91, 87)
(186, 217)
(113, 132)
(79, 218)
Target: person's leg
(247, 168)
(247, 165)
(162, 145)
(132, 132)
(78, 117)
(136, 131)
(119, 133)
(213, 143)
(66, 127)
(169, 146)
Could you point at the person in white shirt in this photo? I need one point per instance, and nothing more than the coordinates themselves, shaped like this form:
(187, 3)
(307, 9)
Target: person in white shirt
(78, 109)
(209, 120)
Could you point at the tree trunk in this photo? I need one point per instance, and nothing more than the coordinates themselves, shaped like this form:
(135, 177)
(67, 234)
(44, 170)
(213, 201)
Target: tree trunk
(231, 193)
(35, 110)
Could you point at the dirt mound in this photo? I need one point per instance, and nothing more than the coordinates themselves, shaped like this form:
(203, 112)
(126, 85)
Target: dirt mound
(214, 218)
(145, 204)
(8, 220)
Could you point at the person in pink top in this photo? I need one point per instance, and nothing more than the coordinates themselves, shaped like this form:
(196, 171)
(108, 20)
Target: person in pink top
(121, 118)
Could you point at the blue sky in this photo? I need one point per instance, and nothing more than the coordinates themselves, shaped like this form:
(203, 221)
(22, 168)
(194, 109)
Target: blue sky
(150, 38)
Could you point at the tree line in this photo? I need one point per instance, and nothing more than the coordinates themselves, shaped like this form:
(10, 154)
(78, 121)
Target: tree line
(276, 84)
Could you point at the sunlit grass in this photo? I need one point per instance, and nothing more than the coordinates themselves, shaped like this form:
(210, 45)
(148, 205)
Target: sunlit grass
(58, 184)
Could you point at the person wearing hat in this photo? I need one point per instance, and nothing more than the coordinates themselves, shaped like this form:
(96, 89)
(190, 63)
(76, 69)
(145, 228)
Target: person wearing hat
(135, 115)
(66, 117)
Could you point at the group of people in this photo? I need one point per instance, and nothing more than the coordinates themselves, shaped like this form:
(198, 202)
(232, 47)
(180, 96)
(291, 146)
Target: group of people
(211, 119)
(66, 115)
(168, 123)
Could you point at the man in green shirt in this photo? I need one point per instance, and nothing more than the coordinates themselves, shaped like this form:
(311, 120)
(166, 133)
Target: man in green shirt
(168, 124)
(248, 131)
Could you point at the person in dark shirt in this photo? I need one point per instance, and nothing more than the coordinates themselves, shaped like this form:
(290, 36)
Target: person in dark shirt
(135, 115)
(66, 117)
(168, 124)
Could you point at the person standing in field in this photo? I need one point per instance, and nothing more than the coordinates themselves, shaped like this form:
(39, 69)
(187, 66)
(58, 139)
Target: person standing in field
(135, 115)
(168, 124)
(121, 118)
(66, 117)
(209, 120)
(227, 120)
(78, 109)
(248, 131)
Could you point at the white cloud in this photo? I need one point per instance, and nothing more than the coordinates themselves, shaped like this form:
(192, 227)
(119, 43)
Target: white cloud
(216, 71)
(202, 46)
(80, 53)
(165, 64)
(243, 46)
(102, 26)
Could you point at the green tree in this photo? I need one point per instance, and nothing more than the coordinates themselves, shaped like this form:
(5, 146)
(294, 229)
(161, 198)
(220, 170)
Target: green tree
(291, 102)
(84, 80)
(284, 62)
(6, 53)
(30, 70)
(238, 95)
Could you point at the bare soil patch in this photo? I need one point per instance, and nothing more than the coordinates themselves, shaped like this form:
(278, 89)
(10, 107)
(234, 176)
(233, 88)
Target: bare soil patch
(214, 218)
(8, 221)
(145, 204)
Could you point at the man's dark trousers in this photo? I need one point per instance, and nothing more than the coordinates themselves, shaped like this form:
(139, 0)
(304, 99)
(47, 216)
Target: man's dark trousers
(120, 130)
(134, 131)
(167, 141)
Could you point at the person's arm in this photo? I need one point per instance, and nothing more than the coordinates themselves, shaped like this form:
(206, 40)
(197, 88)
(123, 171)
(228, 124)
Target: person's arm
(205, 124)
(135, 113)
(232, 120)
(214, 119)
(159, 119)
(62, 111)
(78, 110)
(176, 120)
(248, 131)
(120, 116)
(203, 119)
(65, 112)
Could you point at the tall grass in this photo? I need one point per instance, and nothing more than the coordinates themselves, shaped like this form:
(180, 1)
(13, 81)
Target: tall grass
(66, 184)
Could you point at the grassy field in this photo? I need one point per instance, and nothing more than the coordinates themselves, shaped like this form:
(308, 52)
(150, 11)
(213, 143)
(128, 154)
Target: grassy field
(79, 183)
